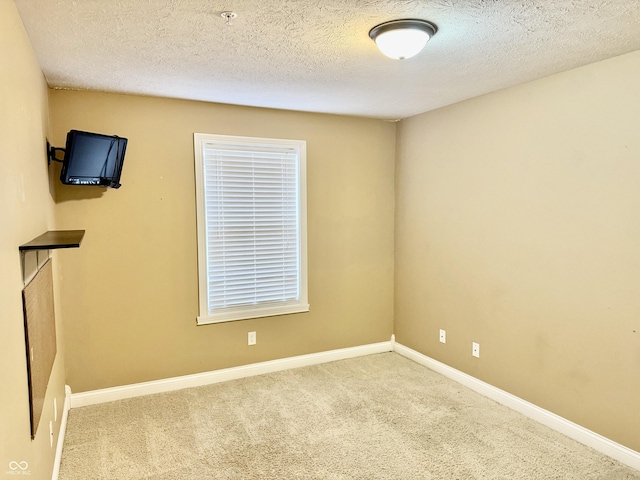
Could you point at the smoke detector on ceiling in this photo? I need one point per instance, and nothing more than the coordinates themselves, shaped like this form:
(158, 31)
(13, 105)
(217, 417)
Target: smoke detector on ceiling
(228, 16)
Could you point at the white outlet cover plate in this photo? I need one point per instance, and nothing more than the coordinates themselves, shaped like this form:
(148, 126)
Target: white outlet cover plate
(475, 350)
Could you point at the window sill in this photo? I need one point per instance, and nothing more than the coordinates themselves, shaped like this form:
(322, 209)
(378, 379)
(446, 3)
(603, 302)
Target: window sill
(244, 314)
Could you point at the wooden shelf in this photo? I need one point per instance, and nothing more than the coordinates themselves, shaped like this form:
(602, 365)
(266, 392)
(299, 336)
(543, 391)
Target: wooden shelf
(55, 239)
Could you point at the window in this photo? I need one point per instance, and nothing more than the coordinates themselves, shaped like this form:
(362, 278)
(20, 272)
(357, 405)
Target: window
(251, 218)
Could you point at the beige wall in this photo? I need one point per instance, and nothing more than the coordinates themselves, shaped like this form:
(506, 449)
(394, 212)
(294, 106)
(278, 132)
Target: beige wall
(129, 294)
(518, 227)
(27, 211)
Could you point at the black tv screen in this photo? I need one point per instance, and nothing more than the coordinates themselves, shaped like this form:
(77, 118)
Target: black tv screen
(93, 159)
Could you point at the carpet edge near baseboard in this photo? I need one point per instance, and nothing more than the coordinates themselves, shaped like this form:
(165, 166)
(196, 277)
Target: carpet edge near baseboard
(625, 455)
(608, 447)
(63, 429)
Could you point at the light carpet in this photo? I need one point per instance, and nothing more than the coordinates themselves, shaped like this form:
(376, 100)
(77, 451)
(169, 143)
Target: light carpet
(375, 417)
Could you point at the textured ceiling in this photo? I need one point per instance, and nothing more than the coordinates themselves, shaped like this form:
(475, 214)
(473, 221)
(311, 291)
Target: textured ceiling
(315, 55)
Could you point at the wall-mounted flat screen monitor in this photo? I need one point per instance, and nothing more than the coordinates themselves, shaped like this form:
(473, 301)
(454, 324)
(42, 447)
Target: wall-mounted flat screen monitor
(93, 159)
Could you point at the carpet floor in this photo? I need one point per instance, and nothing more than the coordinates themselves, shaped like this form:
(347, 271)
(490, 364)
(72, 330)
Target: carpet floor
(375, 417)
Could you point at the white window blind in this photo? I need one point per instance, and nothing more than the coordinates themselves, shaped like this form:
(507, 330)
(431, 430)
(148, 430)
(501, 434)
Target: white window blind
(251, 227)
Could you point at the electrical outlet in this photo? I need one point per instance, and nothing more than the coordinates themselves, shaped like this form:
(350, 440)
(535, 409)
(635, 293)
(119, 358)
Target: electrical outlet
(443, 336)
(51, 433)
(475, 349)
(251, 338)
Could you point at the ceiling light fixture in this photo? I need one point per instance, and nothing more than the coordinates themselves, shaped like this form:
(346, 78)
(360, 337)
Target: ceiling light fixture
(402, 39)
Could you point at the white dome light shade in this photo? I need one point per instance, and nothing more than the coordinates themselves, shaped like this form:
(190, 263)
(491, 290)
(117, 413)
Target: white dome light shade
(401, 44)
(402, 39)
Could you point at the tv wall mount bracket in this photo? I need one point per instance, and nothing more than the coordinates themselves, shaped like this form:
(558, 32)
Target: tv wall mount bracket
(52, 153)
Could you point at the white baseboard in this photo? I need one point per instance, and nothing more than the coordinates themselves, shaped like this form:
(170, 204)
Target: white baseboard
(602, 444)
(63, 429)
(591, 439)
(207, 378)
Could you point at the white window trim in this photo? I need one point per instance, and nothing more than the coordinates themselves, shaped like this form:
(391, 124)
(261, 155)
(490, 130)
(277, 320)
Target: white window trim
(243, 313)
